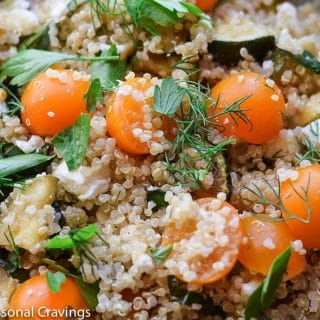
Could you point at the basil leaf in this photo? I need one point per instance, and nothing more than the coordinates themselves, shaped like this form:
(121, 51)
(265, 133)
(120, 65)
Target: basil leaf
(90, 292)
(274, 278)
(308, 60)
(15, 164)
(68, 242)
(263, 297)
(188, 298)
(39, 40)
(168, 97)
(73, 141)
(55, 280)
(160, 254)
(157, 196)
(104, 77)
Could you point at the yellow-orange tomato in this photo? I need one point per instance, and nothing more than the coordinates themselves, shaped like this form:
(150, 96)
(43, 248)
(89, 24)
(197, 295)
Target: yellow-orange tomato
(51, 105)
(205, 5)
(263, 108)
(226, 254)
(265, 241)
(131, 120)
(307, 186)
(35, 293)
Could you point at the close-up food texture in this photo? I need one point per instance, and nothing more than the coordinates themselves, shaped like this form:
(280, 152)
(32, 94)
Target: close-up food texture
(160, 159)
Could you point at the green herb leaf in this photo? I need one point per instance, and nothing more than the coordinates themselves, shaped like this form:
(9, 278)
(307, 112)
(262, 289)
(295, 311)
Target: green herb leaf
(168, 97)
(104, 77)
(263, 297)
(68, 242)
(72, 142)
(15, 164)
(39, 40)
(308, 60)
(27, 64)
(75, 4)
(90, 292)
(188, 298)
(161, 253)
(55, 280)
(157, 196)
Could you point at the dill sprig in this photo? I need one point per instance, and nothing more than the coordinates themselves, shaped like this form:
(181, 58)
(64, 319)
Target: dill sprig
(302, 193)
(107, 7)
(14, 105)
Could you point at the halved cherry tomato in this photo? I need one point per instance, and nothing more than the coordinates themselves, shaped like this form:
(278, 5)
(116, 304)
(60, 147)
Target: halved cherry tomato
(205, 5)
(131, 120)
(35, 294)
(300, 195)
(223, 257)
(265, 241)
(51, 105)
(261, 113)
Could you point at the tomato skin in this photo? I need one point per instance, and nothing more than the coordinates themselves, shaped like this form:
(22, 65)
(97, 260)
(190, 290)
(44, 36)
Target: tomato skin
(50, 105)
(206, 5)
(34, 293)
(307, 232)
(205, 272)
(263, 112)
(125, 112)
(255, 256)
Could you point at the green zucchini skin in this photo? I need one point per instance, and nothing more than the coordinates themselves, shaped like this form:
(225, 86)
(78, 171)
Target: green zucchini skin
(228, 52)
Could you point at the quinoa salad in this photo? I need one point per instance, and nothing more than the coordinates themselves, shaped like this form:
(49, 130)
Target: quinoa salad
(160, 159)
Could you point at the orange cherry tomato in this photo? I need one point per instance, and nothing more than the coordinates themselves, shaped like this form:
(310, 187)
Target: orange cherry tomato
(265, 241)
(263, 108)
(131, 120)
(205, 5)
(51, 105)
(35, 294)
(307, 186)
(223, 257)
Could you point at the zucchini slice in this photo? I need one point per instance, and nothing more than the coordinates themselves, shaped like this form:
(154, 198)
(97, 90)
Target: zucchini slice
(230, 38)
(310, 112)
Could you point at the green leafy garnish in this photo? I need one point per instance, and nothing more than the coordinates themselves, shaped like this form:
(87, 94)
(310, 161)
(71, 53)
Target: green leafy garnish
(75, 4)
(168, 97)
(18, 163)
(157, 196)
(308, 60)
(13, 102)
(55, 280)
(39, 40)
(69, 242)
(72, 142)
(263, 297)
(188, 298)
(90, 292)
(104, 77)
(160, 254)
(27, 64)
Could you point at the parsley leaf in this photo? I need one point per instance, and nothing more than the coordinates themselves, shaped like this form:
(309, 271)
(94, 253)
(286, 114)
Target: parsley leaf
(27, 64)
(55, 280)
(264, 295)
(168, 97)
(159, 254)
(104, 77)
(68, 242)
(72, 142)
(39, 40)
(90, 292)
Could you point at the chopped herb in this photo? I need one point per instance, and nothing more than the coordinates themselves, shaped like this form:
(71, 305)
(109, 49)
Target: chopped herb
(90, 292)
(55, 280)
(160, 254)
(263, 297)
(27, 64)
(188, 298)
(157, 196)
(69, 242)
(72, 142)
(104, 77)
(39, 40)
(168, 97)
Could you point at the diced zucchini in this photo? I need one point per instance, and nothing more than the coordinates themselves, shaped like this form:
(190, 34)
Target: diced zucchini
(230, 38)
(157, 196)
(23, 215)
